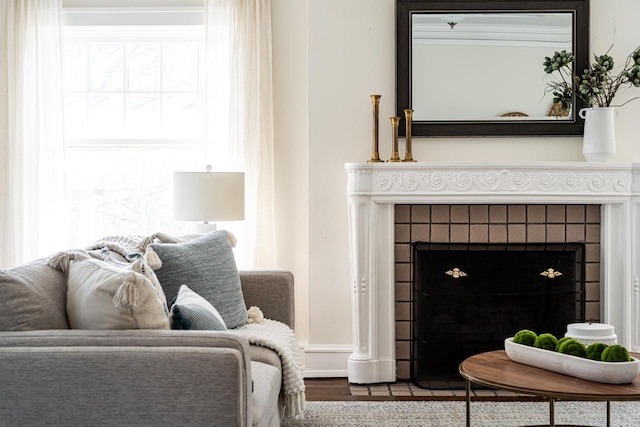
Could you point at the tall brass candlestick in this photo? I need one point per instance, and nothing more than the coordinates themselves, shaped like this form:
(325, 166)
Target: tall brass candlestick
(375, 157)
(408, 156)
(395, 157)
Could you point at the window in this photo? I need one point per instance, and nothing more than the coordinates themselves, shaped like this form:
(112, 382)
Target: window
(134, 113)
(138, 107)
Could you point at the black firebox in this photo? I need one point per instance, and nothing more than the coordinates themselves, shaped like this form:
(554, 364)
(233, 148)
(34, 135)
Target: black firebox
(467, 298)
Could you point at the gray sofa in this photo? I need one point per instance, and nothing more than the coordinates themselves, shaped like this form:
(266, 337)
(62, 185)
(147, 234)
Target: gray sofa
(63, 377)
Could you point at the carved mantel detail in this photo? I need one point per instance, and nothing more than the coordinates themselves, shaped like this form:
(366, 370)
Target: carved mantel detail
(502, 181)
(374, 189)
(460, 178)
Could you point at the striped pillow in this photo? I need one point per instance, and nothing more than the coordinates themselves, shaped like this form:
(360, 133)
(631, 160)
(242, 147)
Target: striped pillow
(191, 311)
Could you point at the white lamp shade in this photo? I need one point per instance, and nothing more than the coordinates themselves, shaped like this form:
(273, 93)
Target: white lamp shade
(208, 196)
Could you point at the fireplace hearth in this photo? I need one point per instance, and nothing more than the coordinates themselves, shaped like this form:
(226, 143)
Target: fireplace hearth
(469, 297)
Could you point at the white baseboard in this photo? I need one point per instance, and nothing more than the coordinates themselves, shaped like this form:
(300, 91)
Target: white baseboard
(326, 361)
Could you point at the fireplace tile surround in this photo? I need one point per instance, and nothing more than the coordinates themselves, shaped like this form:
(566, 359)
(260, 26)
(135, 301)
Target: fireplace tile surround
(598, 203)
(484, 223)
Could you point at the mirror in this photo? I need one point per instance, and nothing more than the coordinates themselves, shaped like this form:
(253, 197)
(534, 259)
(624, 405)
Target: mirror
(474, 68)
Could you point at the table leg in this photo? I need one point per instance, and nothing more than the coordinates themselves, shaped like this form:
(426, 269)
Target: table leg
(468, 387)
(608, 413)
(552, 416)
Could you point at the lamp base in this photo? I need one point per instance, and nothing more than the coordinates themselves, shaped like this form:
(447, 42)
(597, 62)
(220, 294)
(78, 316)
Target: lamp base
(205, 227)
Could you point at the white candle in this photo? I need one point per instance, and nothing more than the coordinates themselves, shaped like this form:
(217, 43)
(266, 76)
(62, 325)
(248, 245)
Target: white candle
(589, 333)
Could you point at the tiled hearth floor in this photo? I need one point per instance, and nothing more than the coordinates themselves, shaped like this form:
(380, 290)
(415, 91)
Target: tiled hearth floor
(341, 389)
(408, 389)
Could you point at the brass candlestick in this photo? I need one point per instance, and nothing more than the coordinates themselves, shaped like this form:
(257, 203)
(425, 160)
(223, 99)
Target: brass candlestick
(375, 157)
(395, 157)
(408, 156)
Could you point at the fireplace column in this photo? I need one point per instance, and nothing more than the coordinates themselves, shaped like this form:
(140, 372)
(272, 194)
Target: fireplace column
(634, 254)
(373, 316)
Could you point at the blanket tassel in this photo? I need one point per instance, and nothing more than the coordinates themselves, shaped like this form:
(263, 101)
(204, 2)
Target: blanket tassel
(152, 259)
(61, 260)
(295, 403)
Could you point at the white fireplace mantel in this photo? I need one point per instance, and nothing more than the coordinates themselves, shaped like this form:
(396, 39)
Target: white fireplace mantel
(374, 189)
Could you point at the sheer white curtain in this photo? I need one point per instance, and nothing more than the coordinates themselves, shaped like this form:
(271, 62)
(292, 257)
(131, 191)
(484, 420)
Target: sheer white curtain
(31, 142)
(240, 112)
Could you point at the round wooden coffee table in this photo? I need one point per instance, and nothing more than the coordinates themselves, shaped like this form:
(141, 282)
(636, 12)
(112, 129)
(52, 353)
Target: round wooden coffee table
(495, 369)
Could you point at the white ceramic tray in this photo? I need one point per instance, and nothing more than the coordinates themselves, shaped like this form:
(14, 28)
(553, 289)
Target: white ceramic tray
(587, 369)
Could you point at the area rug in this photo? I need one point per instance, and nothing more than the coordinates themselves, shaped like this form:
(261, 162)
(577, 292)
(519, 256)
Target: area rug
(450, 413)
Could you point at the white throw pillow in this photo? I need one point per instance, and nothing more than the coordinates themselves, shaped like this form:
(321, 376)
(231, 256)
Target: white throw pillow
(103, 296)
(191, 311)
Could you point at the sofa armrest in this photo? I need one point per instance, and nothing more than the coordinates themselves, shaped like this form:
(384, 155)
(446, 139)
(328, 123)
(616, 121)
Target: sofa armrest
(137, 378)
(272, 291)
(122, 338)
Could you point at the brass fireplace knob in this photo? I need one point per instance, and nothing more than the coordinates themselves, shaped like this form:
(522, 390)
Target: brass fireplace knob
(551, 273)
(456, 273)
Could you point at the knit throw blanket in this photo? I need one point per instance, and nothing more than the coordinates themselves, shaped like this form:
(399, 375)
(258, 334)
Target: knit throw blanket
(128, 245)
(281, 339)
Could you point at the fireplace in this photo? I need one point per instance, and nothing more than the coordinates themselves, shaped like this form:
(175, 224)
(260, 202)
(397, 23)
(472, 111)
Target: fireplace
(382, 287)
(467, 298)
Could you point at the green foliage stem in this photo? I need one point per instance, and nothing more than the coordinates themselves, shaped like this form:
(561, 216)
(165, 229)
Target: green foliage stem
(596, 85)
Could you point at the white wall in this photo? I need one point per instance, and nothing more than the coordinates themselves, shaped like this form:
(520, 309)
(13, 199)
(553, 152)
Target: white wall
(350, 55)
(289, 29)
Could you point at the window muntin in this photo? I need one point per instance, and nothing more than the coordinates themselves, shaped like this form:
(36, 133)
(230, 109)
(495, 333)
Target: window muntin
(134, 85)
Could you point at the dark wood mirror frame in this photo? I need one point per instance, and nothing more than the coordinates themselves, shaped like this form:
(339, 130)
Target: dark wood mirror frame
(404, 11)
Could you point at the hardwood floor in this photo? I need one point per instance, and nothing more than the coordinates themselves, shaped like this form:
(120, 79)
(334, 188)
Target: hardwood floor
(332, 389)
(327, 389)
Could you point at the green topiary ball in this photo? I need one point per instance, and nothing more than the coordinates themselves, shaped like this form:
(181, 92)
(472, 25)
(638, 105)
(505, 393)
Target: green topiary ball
(573, 347)
(560, 341)
(546, 341)
(594, 351)
(615, 353)
(525, 337)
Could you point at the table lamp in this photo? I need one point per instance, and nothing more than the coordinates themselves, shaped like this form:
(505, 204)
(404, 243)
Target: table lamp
(208, 196)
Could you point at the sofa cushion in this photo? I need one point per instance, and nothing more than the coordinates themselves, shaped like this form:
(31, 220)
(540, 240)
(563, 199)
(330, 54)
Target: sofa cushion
(258, 353)
(265, 407)
(103, 296)
(33, 296)
(207, 266)
(191, 311)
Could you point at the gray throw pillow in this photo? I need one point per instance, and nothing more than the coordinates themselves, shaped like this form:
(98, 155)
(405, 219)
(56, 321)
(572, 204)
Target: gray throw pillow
(33, 297)
(207, 266)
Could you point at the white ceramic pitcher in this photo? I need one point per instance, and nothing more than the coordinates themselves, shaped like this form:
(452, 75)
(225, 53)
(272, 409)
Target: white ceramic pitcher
(599, 144)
